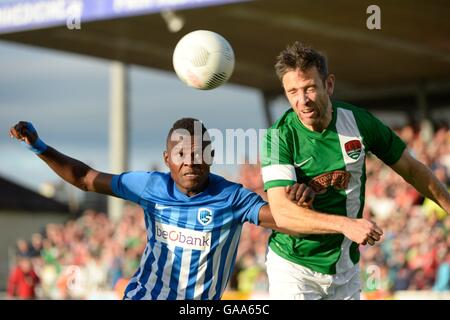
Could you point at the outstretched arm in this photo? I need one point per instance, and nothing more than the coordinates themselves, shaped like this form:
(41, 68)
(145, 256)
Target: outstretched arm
(288, 215)
(299, 194)
(421, 178)
(71, 170)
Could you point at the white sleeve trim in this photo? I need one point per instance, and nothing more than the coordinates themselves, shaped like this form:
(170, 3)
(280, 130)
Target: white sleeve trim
(279, 172)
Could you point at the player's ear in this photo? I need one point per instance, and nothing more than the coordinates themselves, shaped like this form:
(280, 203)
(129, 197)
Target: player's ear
(166, 158)
(329, 84)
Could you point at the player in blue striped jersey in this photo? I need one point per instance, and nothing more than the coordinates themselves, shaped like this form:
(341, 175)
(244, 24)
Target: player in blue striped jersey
(193, 218)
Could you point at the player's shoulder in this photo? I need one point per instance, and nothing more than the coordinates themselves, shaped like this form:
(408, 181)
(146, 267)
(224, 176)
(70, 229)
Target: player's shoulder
(220, 182)
(163, 176)
(159, 180)
(285, 125)
(146, 175)
(357, 111)
(148, 179)
(221, 187)
(363, 117)
(285, 121)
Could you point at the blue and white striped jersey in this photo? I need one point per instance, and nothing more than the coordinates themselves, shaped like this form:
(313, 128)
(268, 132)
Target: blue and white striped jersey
(191, 241)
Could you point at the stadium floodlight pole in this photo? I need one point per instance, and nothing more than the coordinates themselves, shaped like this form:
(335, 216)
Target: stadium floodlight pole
(426, 126)
(118, 130)
(267, 101)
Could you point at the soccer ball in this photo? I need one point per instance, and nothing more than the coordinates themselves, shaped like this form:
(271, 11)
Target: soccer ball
(203, 59)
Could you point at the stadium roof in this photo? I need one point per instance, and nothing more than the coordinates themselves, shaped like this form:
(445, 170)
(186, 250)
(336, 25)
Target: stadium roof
(16, 197)
(384, 67)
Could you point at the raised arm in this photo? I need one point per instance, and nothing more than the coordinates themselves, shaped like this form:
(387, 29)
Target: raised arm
(71, 170)
(421, 178)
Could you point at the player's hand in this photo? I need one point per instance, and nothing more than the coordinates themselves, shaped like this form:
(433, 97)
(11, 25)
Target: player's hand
(301, 194)
(363, 231)
(24, 131)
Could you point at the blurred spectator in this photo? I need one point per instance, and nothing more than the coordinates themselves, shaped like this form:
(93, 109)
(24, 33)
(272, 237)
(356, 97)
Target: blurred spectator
(443, 275)
(36, 246)
(22, 248)
(402, 279)
(23, 280)
(249, 274)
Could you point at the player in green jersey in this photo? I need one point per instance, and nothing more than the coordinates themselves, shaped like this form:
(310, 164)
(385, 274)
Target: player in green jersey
(324, 144)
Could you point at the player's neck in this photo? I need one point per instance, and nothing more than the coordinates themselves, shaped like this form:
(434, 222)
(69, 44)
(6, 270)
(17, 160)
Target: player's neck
(194, 191)
(325, 121)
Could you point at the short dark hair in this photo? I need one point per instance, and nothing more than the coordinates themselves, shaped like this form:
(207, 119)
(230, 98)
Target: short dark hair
(187, 124)
(300, 56)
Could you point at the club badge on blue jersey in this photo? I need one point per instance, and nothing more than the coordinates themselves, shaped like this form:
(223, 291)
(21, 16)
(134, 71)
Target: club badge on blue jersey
(204, 216)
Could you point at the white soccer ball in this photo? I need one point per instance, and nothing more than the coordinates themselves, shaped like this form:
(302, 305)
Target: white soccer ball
(203, 59)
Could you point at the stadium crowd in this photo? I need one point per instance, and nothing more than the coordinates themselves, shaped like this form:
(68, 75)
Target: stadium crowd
(82, 258)
(415, 251)
(90, 255)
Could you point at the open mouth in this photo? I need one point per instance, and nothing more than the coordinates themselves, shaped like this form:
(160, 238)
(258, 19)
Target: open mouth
(191, 174)
(309, 113)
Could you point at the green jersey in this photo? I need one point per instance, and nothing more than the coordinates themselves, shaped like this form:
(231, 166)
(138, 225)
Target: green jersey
(332, 163)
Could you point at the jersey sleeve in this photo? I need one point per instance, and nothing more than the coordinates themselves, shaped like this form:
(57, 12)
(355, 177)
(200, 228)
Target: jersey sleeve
(130, 185)
(246, 205)
(276, 160)
(381, 140)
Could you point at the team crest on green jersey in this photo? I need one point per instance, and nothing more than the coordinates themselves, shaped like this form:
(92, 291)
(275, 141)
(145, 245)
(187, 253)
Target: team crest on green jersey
(353, 149)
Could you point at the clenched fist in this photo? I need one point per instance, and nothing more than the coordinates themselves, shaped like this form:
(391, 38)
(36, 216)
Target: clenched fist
(25, 132)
